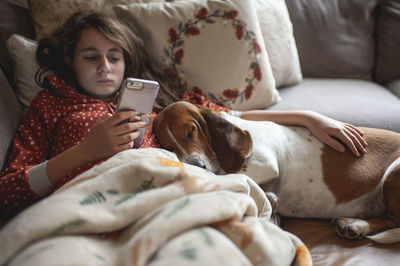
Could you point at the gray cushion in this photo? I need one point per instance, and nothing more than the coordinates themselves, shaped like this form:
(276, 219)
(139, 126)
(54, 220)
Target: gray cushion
(388, 42)
(10, 115)
(362, 103)
(334, 37)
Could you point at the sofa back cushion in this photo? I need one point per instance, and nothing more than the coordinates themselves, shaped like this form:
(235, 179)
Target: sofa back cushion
(49, 14)
(10, 115)
(388, 42)
(13, 19)
(334, 37)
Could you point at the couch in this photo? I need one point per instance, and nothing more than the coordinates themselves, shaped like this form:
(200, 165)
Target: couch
(350, 65)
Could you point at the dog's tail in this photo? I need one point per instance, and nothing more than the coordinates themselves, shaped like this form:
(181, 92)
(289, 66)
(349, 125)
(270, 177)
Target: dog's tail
(386, 237)
(303, 255)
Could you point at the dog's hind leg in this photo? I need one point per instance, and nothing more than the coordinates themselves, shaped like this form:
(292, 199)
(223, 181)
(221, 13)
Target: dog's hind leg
(357, 228)
(391, 197)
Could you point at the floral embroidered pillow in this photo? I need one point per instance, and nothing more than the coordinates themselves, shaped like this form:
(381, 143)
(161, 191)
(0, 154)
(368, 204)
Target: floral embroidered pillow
(211, 47)
(277, 32)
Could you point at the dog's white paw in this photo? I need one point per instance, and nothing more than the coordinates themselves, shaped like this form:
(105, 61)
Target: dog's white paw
(351, 228)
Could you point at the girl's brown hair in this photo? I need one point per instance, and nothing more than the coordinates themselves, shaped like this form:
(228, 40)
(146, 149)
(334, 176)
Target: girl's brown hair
(61, 43)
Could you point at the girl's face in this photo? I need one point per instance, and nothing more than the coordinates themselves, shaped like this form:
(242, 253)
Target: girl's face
(98, 64)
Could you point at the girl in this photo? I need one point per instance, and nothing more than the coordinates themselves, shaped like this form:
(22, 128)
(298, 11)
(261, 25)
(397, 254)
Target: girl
(71, 125)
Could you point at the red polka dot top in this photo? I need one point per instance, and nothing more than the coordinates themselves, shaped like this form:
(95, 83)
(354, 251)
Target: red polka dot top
(59, 117)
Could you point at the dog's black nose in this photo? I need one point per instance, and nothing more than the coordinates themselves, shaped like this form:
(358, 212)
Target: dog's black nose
(200, 163)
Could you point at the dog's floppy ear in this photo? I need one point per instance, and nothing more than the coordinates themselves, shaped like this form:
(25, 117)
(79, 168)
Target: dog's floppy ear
(231, 144)
(202, 109)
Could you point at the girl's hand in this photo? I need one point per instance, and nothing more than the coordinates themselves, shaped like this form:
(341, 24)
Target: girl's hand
(108, 137)
(335, 133)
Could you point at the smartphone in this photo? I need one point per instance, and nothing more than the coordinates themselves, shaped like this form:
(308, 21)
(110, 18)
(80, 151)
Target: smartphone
(138, 95)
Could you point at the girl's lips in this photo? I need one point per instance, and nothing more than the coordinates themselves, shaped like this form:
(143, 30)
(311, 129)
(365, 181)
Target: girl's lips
(104, 81)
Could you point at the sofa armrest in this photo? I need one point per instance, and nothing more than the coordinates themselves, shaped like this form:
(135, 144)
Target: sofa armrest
(394, 87)
(10, 115)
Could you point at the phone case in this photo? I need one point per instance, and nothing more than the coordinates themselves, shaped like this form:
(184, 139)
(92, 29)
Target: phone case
(138, 95)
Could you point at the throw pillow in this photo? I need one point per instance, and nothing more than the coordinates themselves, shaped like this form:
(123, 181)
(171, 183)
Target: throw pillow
(277, 31)
(388, 42)
(47, 15)
(23, 54)
(335, 38)
(212, 47)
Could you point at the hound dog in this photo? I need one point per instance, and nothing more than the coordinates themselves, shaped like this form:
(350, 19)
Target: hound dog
(310, 179)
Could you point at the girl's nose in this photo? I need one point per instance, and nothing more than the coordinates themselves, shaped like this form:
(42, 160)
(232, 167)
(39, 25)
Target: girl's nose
(104, 65)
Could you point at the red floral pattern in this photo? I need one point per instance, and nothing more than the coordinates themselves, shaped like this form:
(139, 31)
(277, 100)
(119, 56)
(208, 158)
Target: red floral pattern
(178, 56)
(239, 32)
(257, 72)
(196, 98)
(231, 14)
(256, 46)
(173, 35)
(202, 13)
(192, 31)
(231, 94)
(197, 90)
(248, 91)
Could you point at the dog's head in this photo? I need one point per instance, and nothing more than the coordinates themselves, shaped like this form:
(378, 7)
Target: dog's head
(201, 137)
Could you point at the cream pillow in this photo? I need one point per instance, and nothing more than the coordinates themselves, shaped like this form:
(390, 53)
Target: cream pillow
(23, 54)
(212, 46)
(47, 15)
(277, 31)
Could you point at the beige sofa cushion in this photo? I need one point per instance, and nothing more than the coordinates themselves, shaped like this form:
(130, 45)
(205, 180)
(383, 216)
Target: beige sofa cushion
(334, 37)
(358, 102)
(47, 15)
(388, 42)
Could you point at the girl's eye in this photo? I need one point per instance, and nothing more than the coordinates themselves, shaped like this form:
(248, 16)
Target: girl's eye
(114, 59)
(89, 58)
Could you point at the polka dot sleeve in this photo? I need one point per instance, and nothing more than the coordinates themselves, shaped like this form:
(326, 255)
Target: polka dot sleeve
(29, 148)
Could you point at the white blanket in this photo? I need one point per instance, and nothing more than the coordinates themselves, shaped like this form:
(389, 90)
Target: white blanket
(144, 207)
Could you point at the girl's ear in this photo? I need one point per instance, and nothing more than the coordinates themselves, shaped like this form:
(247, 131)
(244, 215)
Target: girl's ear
(231, 144)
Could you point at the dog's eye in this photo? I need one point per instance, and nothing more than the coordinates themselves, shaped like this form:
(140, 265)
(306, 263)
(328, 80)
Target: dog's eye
(189, 135)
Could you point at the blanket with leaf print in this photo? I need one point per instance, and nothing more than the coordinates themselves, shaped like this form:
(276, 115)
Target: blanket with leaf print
(144, 207)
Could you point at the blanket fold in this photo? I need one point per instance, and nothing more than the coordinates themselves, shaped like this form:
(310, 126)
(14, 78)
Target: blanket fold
(144, 207)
